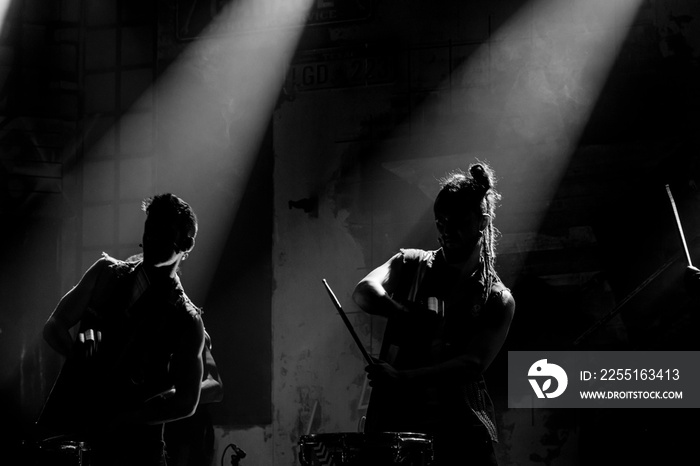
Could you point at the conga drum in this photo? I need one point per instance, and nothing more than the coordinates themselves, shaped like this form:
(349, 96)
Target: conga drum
(61, 451)
(366, 449)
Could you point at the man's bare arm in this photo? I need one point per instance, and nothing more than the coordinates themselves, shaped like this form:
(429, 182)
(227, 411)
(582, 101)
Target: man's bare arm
(70, 310)
(212, 390)
(187, 376)
(373, 293)
(482, 349)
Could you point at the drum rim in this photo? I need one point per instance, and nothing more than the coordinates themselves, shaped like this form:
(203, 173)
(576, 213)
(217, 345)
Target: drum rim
(345, 438)
(63, 442)
(352, 443)
(368, 434)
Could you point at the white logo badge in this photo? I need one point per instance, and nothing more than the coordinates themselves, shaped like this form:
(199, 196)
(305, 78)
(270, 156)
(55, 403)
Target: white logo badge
(544, 369)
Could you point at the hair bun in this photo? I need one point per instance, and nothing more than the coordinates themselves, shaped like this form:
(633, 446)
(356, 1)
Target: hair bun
(482, 176)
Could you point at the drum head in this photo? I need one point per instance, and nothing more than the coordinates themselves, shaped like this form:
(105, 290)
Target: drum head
(359, 449)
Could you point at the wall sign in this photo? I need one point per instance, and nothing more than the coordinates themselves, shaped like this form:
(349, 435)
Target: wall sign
(340, 68)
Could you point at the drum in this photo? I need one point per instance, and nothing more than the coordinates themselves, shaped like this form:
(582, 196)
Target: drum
(62, 451)
(358, 449)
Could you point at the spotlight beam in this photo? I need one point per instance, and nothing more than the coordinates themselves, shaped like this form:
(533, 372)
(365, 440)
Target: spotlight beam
(213, 106)
(521, 102)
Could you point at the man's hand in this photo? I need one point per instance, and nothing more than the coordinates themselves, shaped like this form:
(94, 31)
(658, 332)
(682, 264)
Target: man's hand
(383, 374)
(423, 311)
(88, 344)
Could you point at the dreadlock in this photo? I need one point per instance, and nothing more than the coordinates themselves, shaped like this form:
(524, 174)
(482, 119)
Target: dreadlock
(475, 191)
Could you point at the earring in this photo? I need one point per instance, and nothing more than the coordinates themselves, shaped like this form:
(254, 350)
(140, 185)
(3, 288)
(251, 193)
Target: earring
(184, 256)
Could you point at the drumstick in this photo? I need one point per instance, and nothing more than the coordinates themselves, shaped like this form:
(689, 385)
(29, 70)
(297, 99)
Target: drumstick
(311, 418)
(348, 324)
(678, 222)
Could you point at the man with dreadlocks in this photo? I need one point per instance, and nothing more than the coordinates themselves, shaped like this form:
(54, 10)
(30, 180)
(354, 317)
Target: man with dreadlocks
(448, 316)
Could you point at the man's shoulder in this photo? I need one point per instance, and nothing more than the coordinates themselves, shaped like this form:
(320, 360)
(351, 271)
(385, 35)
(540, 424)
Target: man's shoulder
(106, 269)
(413, 254)
(183, 303)
(501, 296)
(190, 319)
(117, 266)
(189, 307)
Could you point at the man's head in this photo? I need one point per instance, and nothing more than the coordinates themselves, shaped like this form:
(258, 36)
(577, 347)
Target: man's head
(464, 210)
(170, 229)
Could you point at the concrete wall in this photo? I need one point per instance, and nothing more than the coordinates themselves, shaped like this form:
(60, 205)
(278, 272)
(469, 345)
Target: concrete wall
(370, 114)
